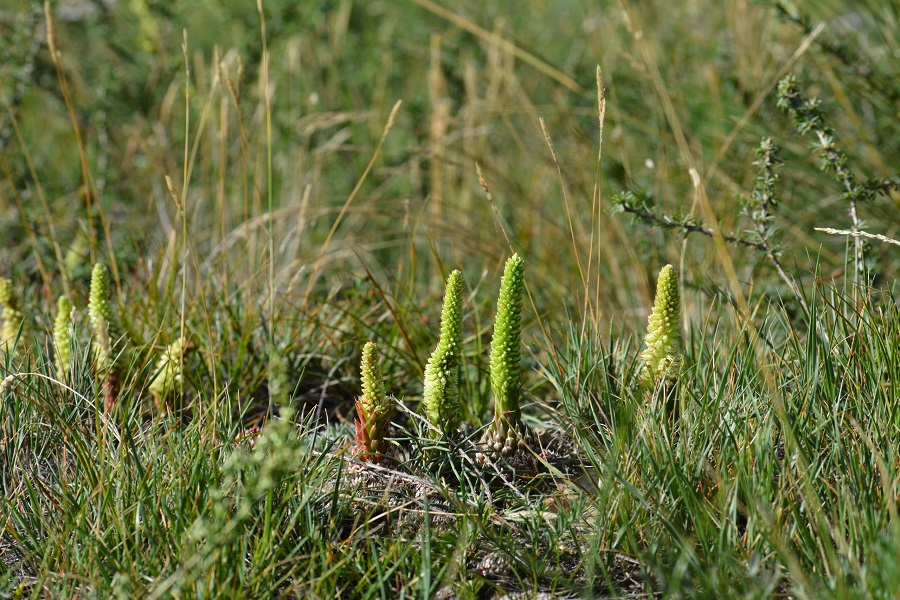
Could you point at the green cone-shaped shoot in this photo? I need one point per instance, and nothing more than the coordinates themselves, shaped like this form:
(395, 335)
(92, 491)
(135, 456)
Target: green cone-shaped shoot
(11, 316)
(507, 432)
(441, 397)
(168, 372)
(105, 325)
(662, 355)
(373, 408)
(108, 335)
(62, 336)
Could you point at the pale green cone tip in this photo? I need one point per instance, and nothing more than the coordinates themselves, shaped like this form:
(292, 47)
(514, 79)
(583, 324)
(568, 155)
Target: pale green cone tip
(168, 371)
(8, 298)
(373, 407)
(507, 434)
(441, 395)
(105, 325)
(505, 344)
(663, 341)
(373, 399)
(11, 315)
(100, 303)
(62, 334)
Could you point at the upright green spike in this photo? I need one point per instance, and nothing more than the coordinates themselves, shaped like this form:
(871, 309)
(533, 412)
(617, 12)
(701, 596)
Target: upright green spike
(105, 325)
(662, 355)
(507, 433)
(441, 396)
(108, 335)
(62, 336)
(11, 316)
(373, 408)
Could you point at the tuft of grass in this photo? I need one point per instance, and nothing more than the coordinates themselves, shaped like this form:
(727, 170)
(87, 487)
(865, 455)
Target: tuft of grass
(715, 509)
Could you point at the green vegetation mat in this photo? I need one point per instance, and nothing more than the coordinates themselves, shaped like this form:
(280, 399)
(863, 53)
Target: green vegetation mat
(456, 300)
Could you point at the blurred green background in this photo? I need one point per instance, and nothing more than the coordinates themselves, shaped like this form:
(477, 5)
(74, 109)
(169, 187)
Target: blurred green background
(177, 89)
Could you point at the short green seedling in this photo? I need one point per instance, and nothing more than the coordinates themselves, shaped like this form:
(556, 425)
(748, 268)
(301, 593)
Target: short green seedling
(12, 319)
(662, 355)
(373, 409)
(62, 335)
(108, 335)
(507, 434)
(441, 397)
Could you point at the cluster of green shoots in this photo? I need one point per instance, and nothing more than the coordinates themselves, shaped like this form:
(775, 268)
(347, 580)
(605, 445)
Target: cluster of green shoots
(441, 399)
(506, 439)
(112, 349)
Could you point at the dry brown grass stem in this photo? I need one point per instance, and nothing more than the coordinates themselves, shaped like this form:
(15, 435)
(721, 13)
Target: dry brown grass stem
(562, 186)
(438, 124)
(325, 245)
(88, 186)
(596, 205)
(506, 45)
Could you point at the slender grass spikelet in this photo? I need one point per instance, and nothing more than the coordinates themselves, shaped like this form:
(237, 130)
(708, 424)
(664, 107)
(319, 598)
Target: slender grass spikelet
(373, 408)
(62, 335)
(441, 396)
(507, 433)
(12, 319)
(662, 355)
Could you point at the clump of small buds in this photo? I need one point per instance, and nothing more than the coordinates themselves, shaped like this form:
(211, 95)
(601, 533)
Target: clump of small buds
(169, 373)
